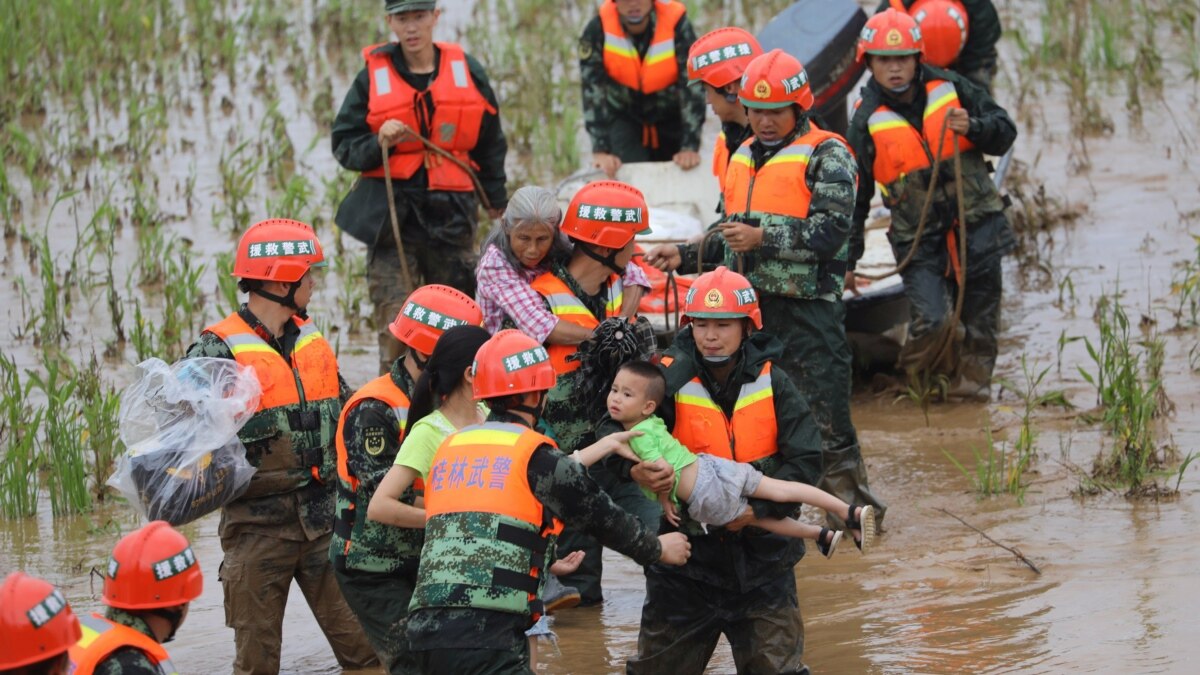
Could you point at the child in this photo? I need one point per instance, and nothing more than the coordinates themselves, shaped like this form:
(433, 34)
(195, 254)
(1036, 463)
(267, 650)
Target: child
(716, 489)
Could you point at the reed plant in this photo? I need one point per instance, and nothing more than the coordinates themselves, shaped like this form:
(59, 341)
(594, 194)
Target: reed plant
(99, 407)
(997, 469)
(19, 426)
(61, 446)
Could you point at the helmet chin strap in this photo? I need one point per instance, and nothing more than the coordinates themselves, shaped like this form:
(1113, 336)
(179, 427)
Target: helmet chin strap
(535, 410)
(288, 300)
(609, 261)
(173, 616)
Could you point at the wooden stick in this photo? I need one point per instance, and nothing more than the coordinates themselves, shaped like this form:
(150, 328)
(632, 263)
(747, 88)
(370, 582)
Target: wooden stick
(1012, 550)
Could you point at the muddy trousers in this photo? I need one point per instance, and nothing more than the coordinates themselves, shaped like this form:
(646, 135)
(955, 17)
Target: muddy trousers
(461, 661)
(438, 229)
(628, 496)
(817, 356)
(682, 619)
(380, 601)
(256, 575)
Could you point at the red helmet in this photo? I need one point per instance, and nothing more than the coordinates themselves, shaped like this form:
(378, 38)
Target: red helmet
(721, 56)
(430, 311)
(722, 294)
(152, 567)
(607, 213)
(511, 362)
(890, 32)
(944, 27)
(277, 250)
(775, 80)
(36, 623)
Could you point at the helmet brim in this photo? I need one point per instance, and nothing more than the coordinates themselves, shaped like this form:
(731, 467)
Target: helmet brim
(763, 105)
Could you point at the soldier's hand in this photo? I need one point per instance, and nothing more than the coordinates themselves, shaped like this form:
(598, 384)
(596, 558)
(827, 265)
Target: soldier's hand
(676, 549)
(741, 521)
(852, 282)
(567, 564)
(958, 121)
(687, 159)
(495, 214)
(391, 132)
(606, 162)
(653, 476)
(664, 257)
(741, 237)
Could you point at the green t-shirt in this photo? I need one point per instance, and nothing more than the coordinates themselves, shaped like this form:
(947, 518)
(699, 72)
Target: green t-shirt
(655, 443)
(423, 440)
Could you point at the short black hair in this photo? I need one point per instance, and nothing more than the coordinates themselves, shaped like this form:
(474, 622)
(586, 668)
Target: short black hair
(656, 386)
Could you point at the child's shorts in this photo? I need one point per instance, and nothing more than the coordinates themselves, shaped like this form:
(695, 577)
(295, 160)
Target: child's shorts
(721, 490)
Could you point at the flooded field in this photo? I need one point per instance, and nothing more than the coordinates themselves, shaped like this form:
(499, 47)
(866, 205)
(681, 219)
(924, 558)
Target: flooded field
(122, 196)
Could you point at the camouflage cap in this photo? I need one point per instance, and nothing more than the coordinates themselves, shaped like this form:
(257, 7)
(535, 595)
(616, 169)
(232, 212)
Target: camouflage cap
(397, 6)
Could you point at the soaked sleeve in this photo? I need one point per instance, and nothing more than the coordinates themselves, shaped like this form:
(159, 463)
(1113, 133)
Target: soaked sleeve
(355, 146)
(593, 82)
(864, 157)
(372, 438)
(799, 443)
(208, 345)
(819, 237)
(562, 486)
(991, 130)
(693, 103)
(492, 147)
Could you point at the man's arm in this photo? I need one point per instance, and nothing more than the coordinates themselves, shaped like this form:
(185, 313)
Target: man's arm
(991, 129)
(208, 345)
(491, 148)
(799, 443)
(985, 31)
(593, 81)
(691, 98)
(864, 152)
(831, 175)
(355, 146)
(372, 438)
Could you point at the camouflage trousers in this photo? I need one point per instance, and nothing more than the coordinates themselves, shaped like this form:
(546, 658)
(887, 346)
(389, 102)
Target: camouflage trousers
(380, 601)
(682, 619)
(514, 661)
(438, 231)
(633, 141)
(817, 357)
(257, 573)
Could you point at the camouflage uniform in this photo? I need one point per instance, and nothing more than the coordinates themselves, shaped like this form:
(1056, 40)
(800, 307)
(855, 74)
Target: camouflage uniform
(615, 115)
(977, 60)
(737, 583)
(376, 564)
(438, 227)
(128, 660)
(451, 636)
(280, 529)
(799, 273)
(930, 289)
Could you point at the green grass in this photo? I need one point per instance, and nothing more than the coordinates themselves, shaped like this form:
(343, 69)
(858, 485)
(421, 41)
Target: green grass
(997, 469)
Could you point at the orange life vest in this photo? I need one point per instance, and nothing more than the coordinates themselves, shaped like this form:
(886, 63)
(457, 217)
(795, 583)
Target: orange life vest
(720, 162)
(900, 149)
(311, 375)
(102, 637)
(658, 70)
(458, 110)
(701, 424)
(779, 186)
(564, 305)
(383, 389)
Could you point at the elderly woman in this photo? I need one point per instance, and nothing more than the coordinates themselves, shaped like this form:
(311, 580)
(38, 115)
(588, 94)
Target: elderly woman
(520, 250)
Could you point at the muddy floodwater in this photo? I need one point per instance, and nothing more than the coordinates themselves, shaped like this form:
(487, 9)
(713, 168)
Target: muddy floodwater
(1120, 578)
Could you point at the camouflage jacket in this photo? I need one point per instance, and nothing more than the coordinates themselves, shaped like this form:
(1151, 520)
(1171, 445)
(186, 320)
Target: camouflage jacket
(372, 436)
(128, 660)
(303, 509)
(604, 99)
(799, 257)
(984, 33)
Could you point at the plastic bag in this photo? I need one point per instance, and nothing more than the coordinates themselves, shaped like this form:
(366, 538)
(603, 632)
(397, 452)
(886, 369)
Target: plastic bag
(183, 458)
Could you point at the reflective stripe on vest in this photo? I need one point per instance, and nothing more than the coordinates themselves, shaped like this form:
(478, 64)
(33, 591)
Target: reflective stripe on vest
(311, 375)
(458, 110)
(779, 187)
(383, 389)
(567, 307)
(900, 149)
(701, 425)
(102, 637)
(659, 69)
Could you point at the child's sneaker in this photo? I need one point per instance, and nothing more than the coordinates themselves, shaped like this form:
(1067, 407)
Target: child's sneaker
(828, 549)
(865, 523)
(557, 597)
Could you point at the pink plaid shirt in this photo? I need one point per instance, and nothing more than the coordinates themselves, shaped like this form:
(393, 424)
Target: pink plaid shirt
(503, 291)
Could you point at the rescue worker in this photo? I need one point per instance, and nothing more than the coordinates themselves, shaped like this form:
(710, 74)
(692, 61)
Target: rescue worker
(376, 564)
(434, 197)
(151, 579)
(909, 114)
(789, 195)
(959, 34)
(37, 627)
(716, 62)
(493, 500)
(280, 528)
(637, 106)
(727, 397)
(601, 222)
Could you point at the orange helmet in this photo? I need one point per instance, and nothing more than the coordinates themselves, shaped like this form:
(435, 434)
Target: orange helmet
(36, 623)
(430, 311)
(722, 294)
(944, 27)
(721, 56)
(775, 80)
(890, 32)
(511, 362)
(278, 249)
(606, 213)
(152, 567)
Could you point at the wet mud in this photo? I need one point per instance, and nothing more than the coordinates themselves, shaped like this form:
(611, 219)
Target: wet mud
(1118, 576)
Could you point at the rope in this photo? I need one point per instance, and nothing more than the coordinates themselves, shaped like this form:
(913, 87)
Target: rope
(441, 152)
(950, 328)
(391, 198)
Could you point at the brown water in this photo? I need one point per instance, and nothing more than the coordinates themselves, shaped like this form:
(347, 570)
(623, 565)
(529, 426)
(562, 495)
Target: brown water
(1118, 577)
